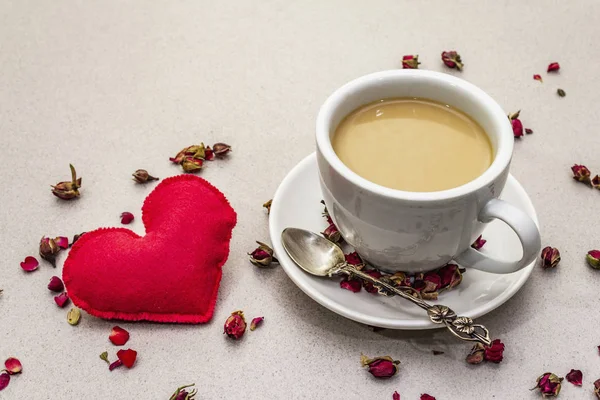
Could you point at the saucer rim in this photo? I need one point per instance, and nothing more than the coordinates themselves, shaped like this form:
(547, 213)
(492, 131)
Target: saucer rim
(295, 273)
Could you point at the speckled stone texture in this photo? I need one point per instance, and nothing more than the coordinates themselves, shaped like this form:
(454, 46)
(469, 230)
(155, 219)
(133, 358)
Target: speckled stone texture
(113, 86)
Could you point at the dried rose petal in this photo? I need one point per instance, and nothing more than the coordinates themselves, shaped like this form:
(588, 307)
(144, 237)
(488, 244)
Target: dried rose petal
(353, 258)
(380, 367)
(332, 233)
(267, 205)
(142, 176)
(597, 388)
(126, 217)
(62, 242)
(68, 190)
(256, 322)
(494, 352)
(48, 250)
(451, 276)
(561, 93)
(434, 278)
(368, 285)
(209, 154)
(13, 366)
(62, 299)
(478, 243)
(550, 257)
(580, 173)
(118, 336)
(56, 285)
(548, 384)
(262, 256)
(115, 364)
(4, 381)
(575, 377)
(30, 264)
(537, 77)
(528, 131)
(127, 357)
(221, 149)
(517, 127)
(396, 396)
(553, 67)
(452, 60)
(426, 396)
(235, 325)
(410, 62)
(353, 285)
(182, 394)
(593, 259)
(477, 354)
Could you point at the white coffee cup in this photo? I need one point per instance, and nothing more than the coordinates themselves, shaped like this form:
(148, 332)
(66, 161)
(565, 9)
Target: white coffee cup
(419, 231)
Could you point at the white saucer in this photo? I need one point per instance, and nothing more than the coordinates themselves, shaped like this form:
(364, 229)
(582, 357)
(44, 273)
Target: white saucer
(297, 204)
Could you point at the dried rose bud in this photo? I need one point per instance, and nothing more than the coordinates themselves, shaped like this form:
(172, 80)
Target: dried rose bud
(30, 264)
(76, 237)
(118, 336)
(426, 396)
(396, 396)
(62, 242)
(13, 366)
(61, 300)
(452, 60)
(191, 164)
(494, 352)
(68, 190)
(476, 355)
(104, 356)
(550, 257)
(575, 377)
(221, 149)
(182, 394)
(267, 205)
(256, 322)
(353, 285)
(332, 233)
(596, 182)
(593, 259)
(580, 173)
(517, 127)
(74, 316)
(56, 285)
(528, 131)
(127, 357)
(380, 367)
(478, 243)
(126, 217)
(235, 325)
(209, 154)
(48, 250)
(538, 78)
(548, 384)
(597, 388)
(194, 151)
(262, 256)
(553, 67)
(561, 93)
(142, 176)
(4, 381)
(410, 62)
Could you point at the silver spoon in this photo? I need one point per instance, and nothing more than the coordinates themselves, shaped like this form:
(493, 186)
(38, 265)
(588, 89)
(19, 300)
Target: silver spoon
(321, 257)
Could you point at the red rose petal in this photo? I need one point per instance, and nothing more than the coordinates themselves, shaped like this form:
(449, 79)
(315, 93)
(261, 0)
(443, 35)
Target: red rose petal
(426, 396)
(56, 285)
(30, 264)
(61, 300)
(126, 217)
(13, 366)
(396, 396)
(118, 336)
(478, 243)
(494, 352)
(62, 242)
(353, 285)
(115, 364)
(4, 381)
(575, 377)
(553, 67)
(127, 357)
(353, 258)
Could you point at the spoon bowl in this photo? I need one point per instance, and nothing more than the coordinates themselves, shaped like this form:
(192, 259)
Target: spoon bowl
(311, 252)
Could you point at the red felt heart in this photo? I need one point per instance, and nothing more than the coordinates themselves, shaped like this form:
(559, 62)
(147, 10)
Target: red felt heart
(172, 273)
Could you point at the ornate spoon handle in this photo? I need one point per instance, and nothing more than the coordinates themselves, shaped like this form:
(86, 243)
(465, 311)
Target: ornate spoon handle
(461, 327)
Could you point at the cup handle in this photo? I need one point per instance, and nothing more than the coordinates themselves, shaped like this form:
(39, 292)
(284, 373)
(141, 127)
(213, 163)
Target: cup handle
(523, 226)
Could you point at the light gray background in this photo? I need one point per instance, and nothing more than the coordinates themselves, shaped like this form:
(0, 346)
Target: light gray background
(113, 86)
